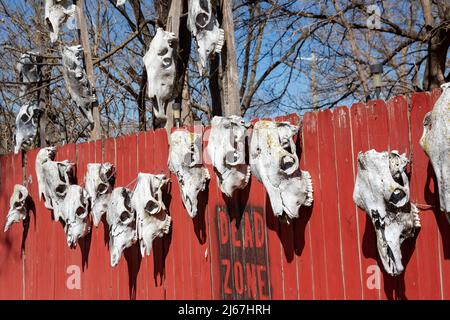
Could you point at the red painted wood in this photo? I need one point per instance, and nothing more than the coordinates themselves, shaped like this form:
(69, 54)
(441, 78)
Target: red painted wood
(422, 193)
(325, 251)
(316, 222)
(349, 219)
(360, 135)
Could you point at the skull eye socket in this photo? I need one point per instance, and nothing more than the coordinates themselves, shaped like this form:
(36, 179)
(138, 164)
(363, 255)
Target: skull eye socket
(102, 188)
(24, 118)
(152, 207)
(397, 196)
(61, 190)
(163, 52)
(201, 20)
(124, 216)
(81, 212)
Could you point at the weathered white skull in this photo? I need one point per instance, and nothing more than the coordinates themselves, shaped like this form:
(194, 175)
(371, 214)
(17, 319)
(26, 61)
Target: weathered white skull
(160, 65)
(99, 183)
(56, 13)
(226, 148)
(205, 28)
(29, 69)
(77, 83)
(435, 141)
(76, 212)
(185, 162)
(27, 122)
(121, 218)
(54, 178)
(274, 162)
(152, 218)
(120, 2)
(382, 190)
(18, 209)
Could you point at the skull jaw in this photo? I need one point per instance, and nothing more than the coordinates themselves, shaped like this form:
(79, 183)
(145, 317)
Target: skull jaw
(234, 178)
(154, 226)
(14, 216)
(75, 231)
(119, 243)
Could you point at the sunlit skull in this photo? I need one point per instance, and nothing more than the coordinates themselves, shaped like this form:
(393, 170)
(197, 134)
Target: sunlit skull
(18, 209)
(76, 212)
(29, 69)
(274, 162)
(160, 65)
(56, 13)
(120, 2)
(121, 218)
(151, 214)
(186, 163)
(99, 183)
(382, 190)
(204, 27)
(226, 149)
(54, 178)
(77, 83)
(27, 122)
(435, 141)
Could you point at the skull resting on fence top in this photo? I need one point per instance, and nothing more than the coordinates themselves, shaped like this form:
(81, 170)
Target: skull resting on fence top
(99, 183)
(121, 218)
(226, 149)
(382, 190)
(435, 141)
(185, 162)
(274, 162)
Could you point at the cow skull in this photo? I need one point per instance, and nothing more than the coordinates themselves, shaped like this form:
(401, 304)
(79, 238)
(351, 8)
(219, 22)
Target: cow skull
(121, 218)
(29, 69)
(160, 65)
(226, 149)
(56, 13)
(78, 85)
(27, 122)
(185, 162)
(204, 27)
(76, 212)
(18, 209)
(382, 190)
(99, 183)
(152, 218)
(274, 162)
(435, 141)
(54, 178)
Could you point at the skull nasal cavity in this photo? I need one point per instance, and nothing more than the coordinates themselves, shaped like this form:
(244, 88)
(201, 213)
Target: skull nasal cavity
(397, 196)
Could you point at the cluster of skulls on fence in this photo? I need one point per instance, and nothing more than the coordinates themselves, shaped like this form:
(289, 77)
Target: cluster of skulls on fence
(381, 187)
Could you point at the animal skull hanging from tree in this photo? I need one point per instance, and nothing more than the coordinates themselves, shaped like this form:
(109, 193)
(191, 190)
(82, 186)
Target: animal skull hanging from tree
(204, 26)
(54, 178)
(226, 149)
(186, 163)
(382, 190)
(99, 182)
(77, 83)
(29, 68)
(56, 13)
(121, 218)
(18, 208)
(27, 122)
(160, 65)
(274, 162)
(75, 207)
(435, 141)
(120, 2)
(151, 213)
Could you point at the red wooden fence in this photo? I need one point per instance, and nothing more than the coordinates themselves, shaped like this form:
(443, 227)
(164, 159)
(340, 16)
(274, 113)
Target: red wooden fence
(236, 249)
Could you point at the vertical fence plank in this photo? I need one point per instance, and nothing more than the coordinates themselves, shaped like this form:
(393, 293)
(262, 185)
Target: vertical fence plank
(349, 229)
(360, 135)
(423, 193)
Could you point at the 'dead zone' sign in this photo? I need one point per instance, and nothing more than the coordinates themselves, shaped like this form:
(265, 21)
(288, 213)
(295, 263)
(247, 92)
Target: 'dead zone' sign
(242, 254)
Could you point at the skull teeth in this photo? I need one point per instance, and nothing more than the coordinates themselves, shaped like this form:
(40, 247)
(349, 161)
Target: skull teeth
(220, 41)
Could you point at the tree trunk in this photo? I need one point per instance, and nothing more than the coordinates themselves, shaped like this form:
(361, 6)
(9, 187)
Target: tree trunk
(84, 39)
